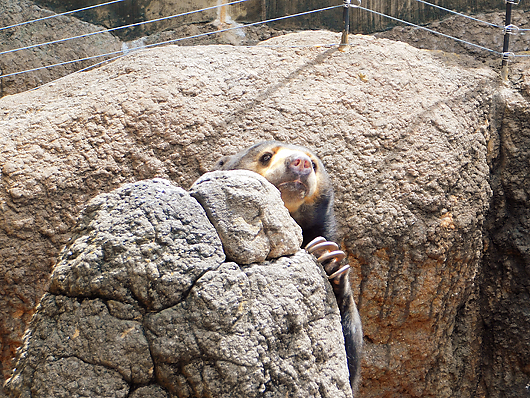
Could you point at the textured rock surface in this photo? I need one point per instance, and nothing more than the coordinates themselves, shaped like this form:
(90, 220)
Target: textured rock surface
(14, 12)
(248, 214)
(132, 249)
(197, 24)
(360, 21)
(141, 296)
(405, 134)
(487, 35)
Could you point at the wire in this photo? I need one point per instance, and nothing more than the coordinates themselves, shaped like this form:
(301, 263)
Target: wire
(245, 26)
(459, 14)
(61, 64)
(451, 37)
(61, 14)
(123, 53)
(119, 27)
(429, 30)
(168, 42)
(77, 71)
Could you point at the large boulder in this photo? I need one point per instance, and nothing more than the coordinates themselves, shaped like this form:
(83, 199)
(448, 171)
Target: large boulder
(142, 296)
(405, 134)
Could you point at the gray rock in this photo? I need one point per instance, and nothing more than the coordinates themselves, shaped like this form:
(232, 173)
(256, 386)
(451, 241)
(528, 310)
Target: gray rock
(71, 377)
(147, 241)
(249, 215)
(152, 391)
(77, 348)
(267, 330)
(141, 297)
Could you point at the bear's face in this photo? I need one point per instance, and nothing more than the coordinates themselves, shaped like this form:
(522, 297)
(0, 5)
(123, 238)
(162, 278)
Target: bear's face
(294, 170)
(291, 171)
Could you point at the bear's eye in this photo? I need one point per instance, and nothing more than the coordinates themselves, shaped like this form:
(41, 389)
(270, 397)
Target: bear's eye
(265, 158)
(314, 165)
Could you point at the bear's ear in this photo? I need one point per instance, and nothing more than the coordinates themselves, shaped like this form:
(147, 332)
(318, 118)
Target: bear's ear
(221, 162)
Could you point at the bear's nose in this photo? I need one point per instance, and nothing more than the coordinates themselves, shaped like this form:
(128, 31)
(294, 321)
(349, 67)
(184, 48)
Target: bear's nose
(300, 164)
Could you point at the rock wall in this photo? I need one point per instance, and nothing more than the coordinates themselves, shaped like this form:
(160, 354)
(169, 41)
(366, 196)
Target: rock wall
(471, 31)
(196, 24)
(500, 307)
(38, 61)
(128, 12)
(505, 292)
(405, 134)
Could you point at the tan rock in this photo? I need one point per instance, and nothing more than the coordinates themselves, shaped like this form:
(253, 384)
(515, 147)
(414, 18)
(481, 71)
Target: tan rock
(35, 58)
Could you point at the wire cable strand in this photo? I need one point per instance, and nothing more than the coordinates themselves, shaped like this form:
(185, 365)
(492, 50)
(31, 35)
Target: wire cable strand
(119, 27)
(60, 14)
(77, 71)
(122, 53)
(459, 14)
(428, 30)
(245, 26)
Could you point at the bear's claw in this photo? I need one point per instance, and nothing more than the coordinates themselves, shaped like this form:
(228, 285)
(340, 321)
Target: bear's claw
(340, 272)
(320, 243)
(329, 256)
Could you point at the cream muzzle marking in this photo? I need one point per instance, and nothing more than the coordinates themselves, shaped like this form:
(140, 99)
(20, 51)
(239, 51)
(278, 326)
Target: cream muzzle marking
(292, 173)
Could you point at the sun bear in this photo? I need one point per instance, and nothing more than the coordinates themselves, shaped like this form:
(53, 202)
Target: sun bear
(301, 179)
(307, 192)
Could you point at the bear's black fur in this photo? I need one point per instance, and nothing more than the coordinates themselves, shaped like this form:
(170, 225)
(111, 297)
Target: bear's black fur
(307, 193)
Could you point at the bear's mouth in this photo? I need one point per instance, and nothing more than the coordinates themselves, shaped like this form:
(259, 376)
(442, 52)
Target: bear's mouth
(293, 190)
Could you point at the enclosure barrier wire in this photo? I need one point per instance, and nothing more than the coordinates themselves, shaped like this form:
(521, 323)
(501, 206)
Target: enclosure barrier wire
(508, 29)
(120, 27)
(60, 14)
(122, 53)
(458, 13)
(427, 29)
